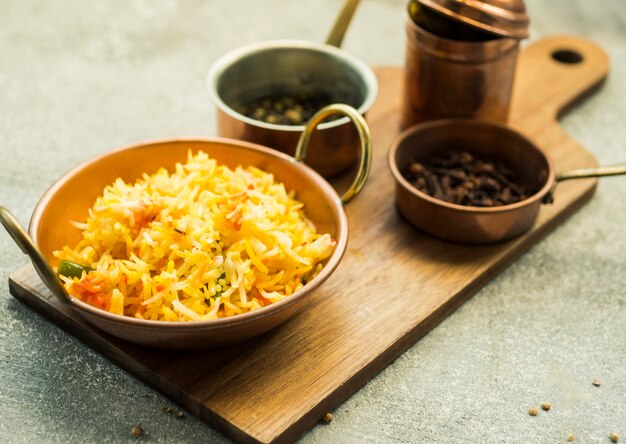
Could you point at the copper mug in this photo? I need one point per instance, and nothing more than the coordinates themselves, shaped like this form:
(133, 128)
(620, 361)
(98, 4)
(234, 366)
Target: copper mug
(457, 78)
(291, 67)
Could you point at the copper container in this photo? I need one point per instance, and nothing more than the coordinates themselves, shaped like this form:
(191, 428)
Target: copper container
(461, 78)
(289, 67)
(72, 195)
(470, 224)
(461, 223)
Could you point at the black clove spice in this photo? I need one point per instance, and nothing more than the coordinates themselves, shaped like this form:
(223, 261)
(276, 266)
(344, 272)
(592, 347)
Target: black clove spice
(463, 178)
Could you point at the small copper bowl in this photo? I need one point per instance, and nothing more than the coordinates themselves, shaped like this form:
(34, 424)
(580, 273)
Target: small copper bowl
(470, 224)
(291, 67)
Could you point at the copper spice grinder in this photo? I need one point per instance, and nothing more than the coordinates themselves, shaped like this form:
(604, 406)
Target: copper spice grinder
(460, 58)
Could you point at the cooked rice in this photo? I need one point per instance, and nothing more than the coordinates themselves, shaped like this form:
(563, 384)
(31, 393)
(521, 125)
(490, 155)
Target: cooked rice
(202, 242)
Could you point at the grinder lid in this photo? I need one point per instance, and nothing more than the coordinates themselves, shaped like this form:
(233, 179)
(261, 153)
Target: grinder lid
(506, 18)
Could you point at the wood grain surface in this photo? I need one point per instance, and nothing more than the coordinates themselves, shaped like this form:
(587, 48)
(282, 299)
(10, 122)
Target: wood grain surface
(392, 287)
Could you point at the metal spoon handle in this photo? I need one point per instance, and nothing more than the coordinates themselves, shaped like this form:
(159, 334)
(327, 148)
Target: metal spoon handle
(26, 244)
(611, 170)
(341, 24)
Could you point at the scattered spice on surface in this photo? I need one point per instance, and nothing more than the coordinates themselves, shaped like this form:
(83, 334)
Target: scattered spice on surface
(533, 411)
(462, 178)
(328, 417)
(596, 382)
(546, 406)
(166, 409)
(571, 437)
(285, 110)
(178, 414)
(137, 431)
(614, 437)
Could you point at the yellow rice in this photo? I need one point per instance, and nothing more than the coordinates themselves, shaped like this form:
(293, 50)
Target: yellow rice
(202, 242)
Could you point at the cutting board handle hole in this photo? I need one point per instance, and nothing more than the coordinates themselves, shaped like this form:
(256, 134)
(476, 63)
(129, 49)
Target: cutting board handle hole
(567, 56)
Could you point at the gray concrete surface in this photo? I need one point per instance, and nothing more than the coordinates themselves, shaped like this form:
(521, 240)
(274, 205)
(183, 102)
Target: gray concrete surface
(78, 78)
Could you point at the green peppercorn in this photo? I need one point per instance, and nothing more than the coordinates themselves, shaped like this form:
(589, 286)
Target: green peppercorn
(285, 110)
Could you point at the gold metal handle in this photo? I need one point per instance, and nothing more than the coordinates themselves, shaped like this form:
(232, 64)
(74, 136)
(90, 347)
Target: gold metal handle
(25, 243)
(584, 173)
(611, 170)
(341, 24)
(357, 119)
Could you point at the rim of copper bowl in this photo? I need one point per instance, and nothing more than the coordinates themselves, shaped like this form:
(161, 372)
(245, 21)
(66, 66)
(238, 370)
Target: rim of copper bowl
(268, 310)
(401, 180)
(234, 56)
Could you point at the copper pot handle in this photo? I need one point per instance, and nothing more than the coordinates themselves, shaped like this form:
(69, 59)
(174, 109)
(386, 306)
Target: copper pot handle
(357, 119)
(26, 244)
(335, 37)
(583, 173)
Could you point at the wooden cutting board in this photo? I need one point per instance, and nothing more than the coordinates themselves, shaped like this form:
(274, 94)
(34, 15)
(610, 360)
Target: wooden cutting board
(392, 287)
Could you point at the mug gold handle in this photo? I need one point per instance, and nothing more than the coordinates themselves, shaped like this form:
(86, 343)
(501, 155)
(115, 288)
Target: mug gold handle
(357, 119)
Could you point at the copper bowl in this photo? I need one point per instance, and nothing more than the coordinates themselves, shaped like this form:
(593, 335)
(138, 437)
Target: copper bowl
(291, 67)
(73, 194)
(470, 224)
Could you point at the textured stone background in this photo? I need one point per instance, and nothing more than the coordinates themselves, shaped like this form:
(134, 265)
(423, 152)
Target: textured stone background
(78, 78)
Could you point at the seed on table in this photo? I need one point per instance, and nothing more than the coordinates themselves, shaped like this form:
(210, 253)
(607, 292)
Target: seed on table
(166, 409)
(596, 382)
(328, 417)
(137, 431)
(533, 411)
(571, 437)
(178, 414)
(614, 437)
(546, 406)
